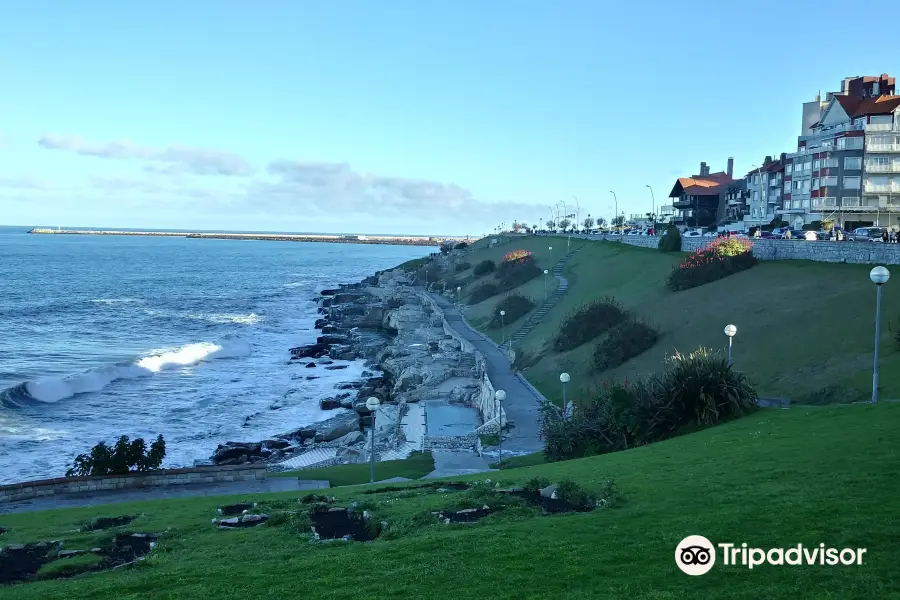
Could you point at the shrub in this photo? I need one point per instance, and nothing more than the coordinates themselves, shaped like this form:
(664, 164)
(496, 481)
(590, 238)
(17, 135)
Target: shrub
(574, 496)
(516, 307)
(125, 456)
(670, 241)
(461, 246)
(463, 266)
(482, 292)
(484, 267)
(624, 341)
(446, 247)
(536, 484)
(717, 260)
(693, 390)
(518, 267)
(588, 322)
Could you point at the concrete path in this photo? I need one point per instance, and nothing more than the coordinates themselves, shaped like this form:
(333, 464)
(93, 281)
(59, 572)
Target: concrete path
(522, 404)
(450, 464)
(270, 484)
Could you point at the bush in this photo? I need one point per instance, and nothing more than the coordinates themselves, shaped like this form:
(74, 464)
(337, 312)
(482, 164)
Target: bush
(518, 267)
(624, 341)
(516, 307)
(588, 322)
(482, 292)
(574, 496)
(446, 247)
(461, 246)
(694, 390)
(122, 458)
(717, 260)
(463, 266)
(484, 267)
(670, 241)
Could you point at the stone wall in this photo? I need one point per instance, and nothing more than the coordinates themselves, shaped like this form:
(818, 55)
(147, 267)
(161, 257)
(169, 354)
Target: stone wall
(458, 442)
(862, 253)
(68, 485)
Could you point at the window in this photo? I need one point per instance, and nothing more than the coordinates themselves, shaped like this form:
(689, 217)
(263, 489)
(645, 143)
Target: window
(851, 183)
(787, 168)
(798, 185)
(807, 166)
(816, 184)
(830, 163)
(806, 186)
(787, 187)
(850, 143)
(817, 164)
(853, 163)
(859, 121)
(830, 180)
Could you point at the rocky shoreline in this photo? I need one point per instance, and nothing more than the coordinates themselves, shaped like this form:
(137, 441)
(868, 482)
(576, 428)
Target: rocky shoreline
(410, 359)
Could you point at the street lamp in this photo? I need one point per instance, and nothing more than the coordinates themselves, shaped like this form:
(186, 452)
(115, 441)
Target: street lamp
(500, 395)
(503, 326)
(458, 290)
(879, 276)
(545, 284)
(653, 197)
(616, 217)
(564, 378)
(730, 331)
(372, 404)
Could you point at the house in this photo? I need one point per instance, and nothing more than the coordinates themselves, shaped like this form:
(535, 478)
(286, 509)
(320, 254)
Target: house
(699, 199)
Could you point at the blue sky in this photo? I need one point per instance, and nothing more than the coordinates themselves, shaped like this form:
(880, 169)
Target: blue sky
(396, 115)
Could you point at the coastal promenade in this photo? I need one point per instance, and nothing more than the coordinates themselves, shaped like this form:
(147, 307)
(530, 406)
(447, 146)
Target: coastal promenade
(271, 237)
(522, 405)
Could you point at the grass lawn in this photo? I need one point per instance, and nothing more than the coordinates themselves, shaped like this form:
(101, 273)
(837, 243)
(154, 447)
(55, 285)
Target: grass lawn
(802, 326)
(774, 479)
(416, 466)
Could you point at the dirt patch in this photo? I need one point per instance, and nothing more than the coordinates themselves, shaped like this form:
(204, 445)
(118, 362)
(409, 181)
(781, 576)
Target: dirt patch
(236, 509)
(439, 487)
(242, 522)
(100, 523)
(341, 523)
(467, 515)
(22, 563)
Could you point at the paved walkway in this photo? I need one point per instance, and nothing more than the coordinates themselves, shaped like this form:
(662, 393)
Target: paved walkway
(522, 405)
(451, 464)
(270, 484)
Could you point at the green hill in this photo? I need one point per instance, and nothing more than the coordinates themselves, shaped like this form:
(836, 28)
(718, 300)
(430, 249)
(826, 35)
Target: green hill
(774, 479)
(805, 329)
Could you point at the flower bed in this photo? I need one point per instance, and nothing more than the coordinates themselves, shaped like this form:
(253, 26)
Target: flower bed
(718, 259)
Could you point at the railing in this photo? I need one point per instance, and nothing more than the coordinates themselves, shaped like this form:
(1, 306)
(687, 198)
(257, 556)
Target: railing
(890, 188)
(873, 147)
(882, 168)
(833, 130)
(880, 127)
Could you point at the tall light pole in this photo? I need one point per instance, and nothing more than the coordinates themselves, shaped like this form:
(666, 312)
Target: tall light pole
(653, 198)
(458, 290)
(616, 217)
(577, 210)
(503, 326)
(564, 378)
(879, 276)
(730, 331)
(372, 404)
(500, 395)
(545, 284)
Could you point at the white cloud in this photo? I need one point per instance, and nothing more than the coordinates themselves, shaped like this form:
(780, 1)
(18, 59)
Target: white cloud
(172, 160)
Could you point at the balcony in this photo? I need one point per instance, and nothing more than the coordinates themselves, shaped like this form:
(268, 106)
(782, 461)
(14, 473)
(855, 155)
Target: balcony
(890, 188)
(830, 132)
(881, 127)
(881, 147)
(872, 167)
(679, 203)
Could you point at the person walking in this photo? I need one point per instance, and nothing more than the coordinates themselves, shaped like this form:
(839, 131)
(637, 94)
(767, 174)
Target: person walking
(884, 236)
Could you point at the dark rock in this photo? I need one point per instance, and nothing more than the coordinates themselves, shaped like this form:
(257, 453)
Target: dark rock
(238, 460)
(366, 421)
(20, 562)
(362, 409)
(224, 453)
(329, 292)
(353, 385)
(250, 447)
(311, 377)
(346, 403)
(326, 302)
(327, 362)
(336, 367)
(276, 444)
(329, 340)
(235, 509)
(329, 403)
(320, 324)
(311, 365)
(307, 433)
(338, 429)
(309, 351)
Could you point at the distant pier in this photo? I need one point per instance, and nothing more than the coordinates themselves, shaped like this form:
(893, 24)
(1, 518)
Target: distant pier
(272, 237)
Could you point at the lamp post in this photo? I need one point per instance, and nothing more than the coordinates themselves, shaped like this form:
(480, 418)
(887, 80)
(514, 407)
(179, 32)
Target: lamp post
(616, 217)
(500, 396)
(503, 326)
(372, 404)
(564, 378)
(458, 290)
(730, 331)
(653, 198)
(879, 276)
(545, 284)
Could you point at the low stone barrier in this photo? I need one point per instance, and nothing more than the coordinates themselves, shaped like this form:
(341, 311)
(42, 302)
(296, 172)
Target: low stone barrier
(69, 485)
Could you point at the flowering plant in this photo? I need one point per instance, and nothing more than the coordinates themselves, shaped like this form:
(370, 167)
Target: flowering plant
(516, 255)
(718, 259)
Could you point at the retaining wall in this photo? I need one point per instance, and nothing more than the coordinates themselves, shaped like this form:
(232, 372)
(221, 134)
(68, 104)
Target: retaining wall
(68, 485)
(862, 253)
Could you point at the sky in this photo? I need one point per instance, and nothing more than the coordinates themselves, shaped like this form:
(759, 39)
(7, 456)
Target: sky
(395, 116)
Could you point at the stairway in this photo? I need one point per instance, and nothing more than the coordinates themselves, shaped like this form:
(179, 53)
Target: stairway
(548, 305)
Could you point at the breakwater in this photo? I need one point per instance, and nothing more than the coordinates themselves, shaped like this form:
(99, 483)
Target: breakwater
(273, 237)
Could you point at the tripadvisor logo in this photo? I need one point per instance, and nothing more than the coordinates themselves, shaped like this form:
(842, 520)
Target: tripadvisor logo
(696, 555)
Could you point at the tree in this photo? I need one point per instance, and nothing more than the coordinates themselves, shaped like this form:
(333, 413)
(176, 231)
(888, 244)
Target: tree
(601, 222)
(588, 223)
(517, 227)
(551, 225)
(446, 246)
(618, 221)
(125, 456)
(564, 224)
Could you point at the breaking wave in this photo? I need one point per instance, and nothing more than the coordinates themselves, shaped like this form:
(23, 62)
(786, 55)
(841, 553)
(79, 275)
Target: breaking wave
(54, 389)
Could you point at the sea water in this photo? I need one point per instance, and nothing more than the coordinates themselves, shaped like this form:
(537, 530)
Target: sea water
(102, 336)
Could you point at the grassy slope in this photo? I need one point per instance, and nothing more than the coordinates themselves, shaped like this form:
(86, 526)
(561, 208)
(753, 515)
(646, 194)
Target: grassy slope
(776, 478)
(416, 466)
(801, 325)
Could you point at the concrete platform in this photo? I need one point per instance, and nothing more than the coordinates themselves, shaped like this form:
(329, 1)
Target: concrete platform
(445, 419)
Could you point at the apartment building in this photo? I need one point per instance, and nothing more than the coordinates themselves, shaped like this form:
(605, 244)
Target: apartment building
(699, 200)
(764, 190)
(847, 164)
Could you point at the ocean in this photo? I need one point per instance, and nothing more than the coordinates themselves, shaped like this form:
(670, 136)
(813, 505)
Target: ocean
(108, 336)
